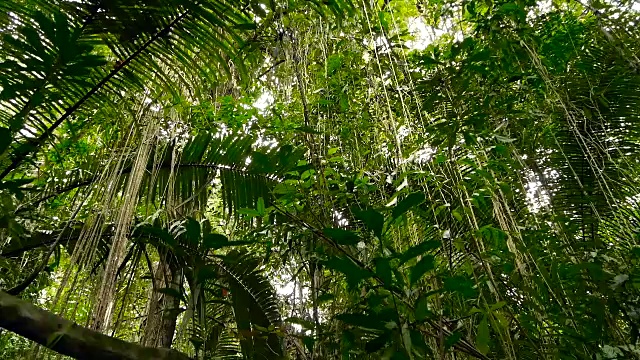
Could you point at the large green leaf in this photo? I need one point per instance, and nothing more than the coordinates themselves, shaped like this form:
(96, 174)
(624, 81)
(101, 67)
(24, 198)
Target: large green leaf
(418, 250)
(341, 236)
(363, 321)
(483, 336)
(5, 140)
(353, 273)
(427, 263)
(255, 307)
(372, 219)
(412, 200)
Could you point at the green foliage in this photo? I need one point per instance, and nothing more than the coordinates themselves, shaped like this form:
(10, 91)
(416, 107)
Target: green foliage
(372, 219)
(407, 203)
(255, 309)
(342, 237)
(470, 196)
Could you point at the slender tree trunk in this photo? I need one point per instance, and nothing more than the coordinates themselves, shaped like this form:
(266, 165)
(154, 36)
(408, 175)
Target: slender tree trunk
(67, 338)
(162, 313)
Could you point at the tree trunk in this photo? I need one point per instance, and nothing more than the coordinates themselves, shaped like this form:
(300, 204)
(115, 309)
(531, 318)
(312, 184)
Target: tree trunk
(162, 313)
(67, 338)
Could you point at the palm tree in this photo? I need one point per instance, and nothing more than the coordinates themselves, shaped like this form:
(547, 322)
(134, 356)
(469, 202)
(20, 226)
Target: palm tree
(473, 199)
(65, 62)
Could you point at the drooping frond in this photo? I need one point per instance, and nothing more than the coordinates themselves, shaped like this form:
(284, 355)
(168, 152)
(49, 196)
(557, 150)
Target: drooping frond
(222, 344)
(255, 307)
(593, 149)
(245, 173)
(68, 55)
(72, 55)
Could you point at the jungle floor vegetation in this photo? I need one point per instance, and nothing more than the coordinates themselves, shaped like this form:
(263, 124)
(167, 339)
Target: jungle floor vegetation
(319, 179)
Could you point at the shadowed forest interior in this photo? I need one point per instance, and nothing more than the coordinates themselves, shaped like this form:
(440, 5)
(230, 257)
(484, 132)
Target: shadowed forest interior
(319, 179)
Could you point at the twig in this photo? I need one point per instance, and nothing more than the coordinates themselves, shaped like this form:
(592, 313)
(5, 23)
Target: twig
(271, 68)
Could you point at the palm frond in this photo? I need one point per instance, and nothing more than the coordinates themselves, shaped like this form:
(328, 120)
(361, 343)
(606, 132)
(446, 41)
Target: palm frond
(74, 55)
(245, 173)
(596, 138)
(255, 307)
(222, 344)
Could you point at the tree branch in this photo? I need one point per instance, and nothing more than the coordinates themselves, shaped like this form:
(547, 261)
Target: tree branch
(67, 338)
